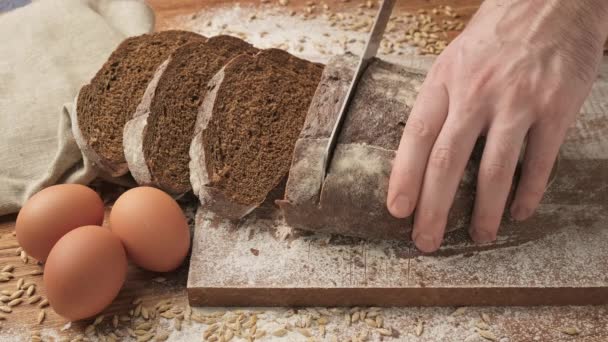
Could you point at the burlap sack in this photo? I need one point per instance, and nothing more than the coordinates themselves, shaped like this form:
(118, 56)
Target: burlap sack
(49, 49)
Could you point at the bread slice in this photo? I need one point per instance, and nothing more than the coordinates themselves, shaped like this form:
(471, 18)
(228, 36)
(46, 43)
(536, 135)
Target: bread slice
(157, 139)
(104, 105)
(247, 127)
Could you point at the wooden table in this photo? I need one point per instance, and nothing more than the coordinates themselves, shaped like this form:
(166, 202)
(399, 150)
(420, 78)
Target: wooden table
(519, 324)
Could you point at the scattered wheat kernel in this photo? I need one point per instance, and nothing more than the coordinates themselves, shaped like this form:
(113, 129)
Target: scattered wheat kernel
(164, 307)
(44, 303)
(145, 338)
(89, 330)
(159, 279)
(36, 272)
(4, 299)
(36, 338)
(144, 313)
(322, 320)
(419, 328)
(137, 311)
(259, 334)
(460, 311)
(18, 251)
(98, 320)
(136, 301)
(304, 332)
(8, 275)
(371, 323)
(178, 325)
(30, 290)
(33, 299)
(385, 332)
(167, 315)
(485, 317)
(488, 335)
(163, 336)
(16, 294)
(482, 325)
(23, 257)
(131, 332)
(15, 302)
(20, 283)
(6, 292)
(280, 332)
(570, 331)
(115, 321)
(41, 316)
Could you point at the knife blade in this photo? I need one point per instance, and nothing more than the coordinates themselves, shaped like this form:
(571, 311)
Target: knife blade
(371, 49)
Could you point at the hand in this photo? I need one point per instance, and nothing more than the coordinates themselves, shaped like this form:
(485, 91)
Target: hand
(520, 70)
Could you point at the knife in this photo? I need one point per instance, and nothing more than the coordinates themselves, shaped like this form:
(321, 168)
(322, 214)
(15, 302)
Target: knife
(371, 48)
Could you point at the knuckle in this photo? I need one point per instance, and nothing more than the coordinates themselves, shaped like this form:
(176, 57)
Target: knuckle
(442, 158)
(494, 172)
(417, 128)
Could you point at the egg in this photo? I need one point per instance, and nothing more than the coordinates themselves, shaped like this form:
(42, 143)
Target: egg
(152, 227)
(54, 211)
(84, 272)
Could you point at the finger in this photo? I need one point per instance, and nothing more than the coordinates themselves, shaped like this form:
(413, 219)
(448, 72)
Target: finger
(445, 168)
(421, 130)
(498, 162)
(541, 151)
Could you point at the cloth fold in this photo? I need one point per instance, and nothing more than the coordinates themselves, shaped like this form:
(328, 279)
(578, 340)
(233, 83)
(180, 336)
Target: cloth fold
(50, 48)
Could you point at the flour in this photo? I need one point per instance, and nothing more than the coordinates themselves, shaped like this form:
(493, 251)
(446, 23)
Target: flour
(315, 38)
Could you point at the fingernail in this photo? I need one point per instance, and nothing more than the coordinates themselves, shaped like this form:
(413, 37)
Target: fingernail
(519, 213)
(400, 207)
(426, 243)
(482, 236)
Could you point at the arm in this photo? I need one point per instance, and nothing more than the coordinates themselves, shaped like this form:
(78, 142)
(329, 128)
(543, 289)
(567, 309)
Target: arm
(521, 70)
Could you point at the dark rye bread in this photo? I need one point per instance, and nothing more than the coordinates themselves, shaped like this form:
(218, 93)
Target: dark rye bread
(157, 139)
(247, 127)
(105, 104)
(352, 200)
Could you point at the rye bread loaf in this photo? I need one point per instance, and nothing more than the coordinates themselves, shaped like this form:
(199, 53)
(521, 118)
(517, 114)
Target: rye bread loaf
(105, 104)
(157, 139)
(247, 127)
(352, 200)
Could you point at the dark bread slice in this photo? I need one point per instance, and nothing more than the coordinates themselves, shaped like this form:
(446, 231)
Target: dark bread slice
(105, 104)
(247, 127)
(157, 139)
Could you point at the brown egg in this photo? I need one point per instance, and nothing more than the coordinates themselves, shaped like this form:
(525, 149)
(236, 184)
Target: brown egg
(54, 211)
(152, 228)
(84, 272)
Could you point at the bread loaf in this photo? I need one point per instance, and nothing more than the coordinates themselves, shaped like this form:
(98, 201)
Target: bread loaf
(352, 199)
(105, 104)
(247, 127)
(157, 139)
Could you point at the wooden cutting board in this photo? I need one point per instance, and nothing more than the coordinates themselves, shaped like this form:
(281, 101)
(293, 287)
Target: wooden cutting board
(561, 261)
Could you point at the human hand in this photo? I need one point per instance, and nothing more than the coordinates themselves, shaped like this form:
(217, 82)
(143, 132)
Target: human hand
(520, 70)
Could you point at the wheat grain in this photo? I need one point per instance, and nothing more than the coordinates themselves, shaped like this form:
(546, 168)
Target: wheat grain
(488, 335)
(15, 302)
(572, 331)
(8, 268)
(44, 303)
(41, 316)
